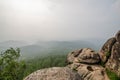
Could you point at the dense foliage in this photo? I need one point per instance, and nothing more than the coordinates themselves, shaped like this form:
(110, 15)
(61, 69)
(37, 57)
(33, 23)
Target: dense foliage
(45, 62)
(112, 75)
(11, 68)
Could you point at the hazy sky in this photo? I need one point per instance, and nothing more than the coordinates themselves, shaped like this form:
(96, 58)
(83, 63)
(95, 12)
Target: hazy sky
(58, 19)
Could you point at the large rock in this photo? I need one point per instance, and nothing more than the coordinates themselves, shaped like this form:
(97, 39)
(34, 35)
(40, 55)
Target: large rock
(106, 49)
(113, 62)
(89, 72)
(85, 55)
(55, 73)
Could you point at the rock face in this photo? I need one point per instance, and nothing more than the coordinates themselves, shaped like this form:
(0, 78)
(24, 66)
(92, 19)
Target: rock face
(55, 73)
(110, 54)
(85, 55)
(106, 49)
(113, 62)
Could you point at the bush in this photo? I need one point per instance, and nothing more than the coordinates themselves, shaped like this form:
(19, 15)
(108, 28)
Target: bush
(112, 75)
(45, 62)
(11, 68)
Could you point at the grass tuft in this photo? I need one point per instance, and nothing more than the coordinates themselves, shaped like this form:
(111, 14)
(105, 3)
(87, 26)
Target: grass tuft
(112, 75)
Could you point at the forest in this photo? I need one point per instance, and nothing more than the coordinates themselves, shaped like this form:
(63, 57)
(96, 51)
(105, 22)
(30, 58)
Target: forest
(13, 68)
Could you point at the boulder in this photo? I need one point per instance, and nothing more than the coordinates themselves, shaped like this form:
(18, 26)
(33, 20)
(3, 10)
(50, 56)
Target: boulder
(55, 73)
(106, 49)
(113, 63)
(85, 55)
(89, 72)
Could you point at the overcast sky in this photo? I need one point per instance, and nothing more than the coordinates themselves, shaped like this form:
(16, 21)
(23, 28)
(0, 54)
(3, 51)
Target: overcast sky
(58, 19)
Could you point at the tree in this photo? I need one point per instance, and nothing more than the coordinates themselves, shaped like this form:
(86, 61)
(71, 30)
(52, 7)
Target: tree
(11, 67)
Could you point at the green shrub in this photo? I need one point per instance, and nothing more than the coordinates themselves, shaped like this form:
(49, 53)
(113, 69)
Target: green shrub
(112, 75)
(108, 54)
(45, 62)
(11, 68)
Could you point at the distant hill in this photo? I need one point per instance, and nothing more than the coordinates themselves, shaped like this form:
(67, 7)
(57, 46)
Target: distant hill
(47, 47)
(54, 47)
(11, 43)
(98, 42)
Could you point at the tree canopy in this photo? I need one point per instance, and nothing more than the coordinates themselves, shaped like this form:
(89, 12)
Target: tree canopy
(11, 68)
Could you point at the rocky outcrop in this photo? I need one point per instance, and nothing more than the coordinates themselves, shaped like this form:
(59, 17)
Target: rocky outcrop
(85, 55)
(85, 64)
(55, 73)
(110, 54)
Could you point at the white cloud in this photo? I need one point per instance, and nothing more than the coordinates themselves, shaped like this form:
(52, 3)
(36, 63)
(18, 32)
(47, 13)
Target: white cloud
(58, 19)
(116, 6)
